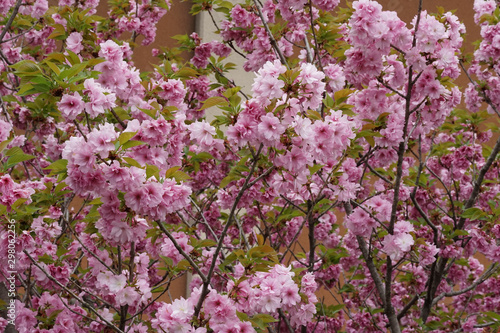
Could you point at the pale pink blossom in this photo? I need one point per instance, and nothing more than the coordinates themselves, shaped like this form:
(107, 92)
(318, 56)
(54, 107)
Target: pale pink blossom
(74, 42)
(202, 132)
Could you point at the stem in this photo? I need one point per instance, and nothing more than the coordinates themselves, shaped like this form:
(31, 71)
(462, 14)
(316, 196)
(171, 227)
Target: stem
(486, 275)
(271, 37)
(81, 300)
(122, 124)
(11, 19)
(181, 251)
(206, 281)
(369, 261)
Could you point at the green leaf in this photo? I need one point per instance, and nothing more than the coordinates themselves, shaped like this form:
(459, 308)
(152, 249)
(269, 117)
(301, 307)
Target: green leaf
(96, 201)
(263, 251)
(183, 264)
(152, 171)
(72, 57)
(201, 157)
(126, 136)
(152, 113)
(18, 202)
(185, 72)
(226, 180)
(9, 98)
(53, 66)
(46, 259)
(61, 251)
(59, 30)
(73, 70)
(329, 102)
(313, 169)
(177, 174)
(261, 320)
(14, 159)
(14, 151)
(95, 61)
(231, 92)
(286, 215)
(56, 56)
(341, 95)
(242, 316)
(206, 243)
(26, 67)
(26, 89)
(132, 162)
(493, 315)
(347, 288)
(329, 311)
(59, 187)
(132, 143)
(459, 232)
(58, 166)
(433, 325)
(4, 144)
(314, 115)
(473, 213)
(213, 101)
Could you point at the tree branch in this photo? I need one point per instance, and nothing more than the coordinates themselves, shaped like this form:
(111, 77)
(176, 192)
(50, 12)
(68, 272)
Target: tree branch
(271, 37)
(11, 19)
(87, 305)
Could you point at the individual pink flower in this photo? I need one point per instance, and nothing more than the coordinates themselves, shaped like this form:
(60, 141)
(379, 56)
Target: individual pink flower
(3, 323)
(71, 105)
(111, 51)
(270, 128)
(172, 90)
(290, 294)
(74, 42)
(397, 245)
(267, 85)
(115, 283)
(182, 310)
(202, 132)
(127, 296)
(5, 129)
(25, 318)
(335, 78)
(427, 253)
(99, 98)
(360, 223)
(6, 5)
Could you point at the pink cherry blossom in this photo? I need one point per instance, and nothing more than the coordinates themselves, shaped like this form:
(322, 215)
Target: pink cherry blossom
(71, 105)
(74, 42)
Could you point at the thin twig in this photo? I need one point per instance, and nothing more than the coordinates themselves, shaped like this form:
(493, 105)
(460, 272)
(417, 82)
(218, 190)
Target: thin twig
(271, 37)
(118, 118)
(490, 271)
(181, 251)
(81, 300)
(11, 19)
(246, 185)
